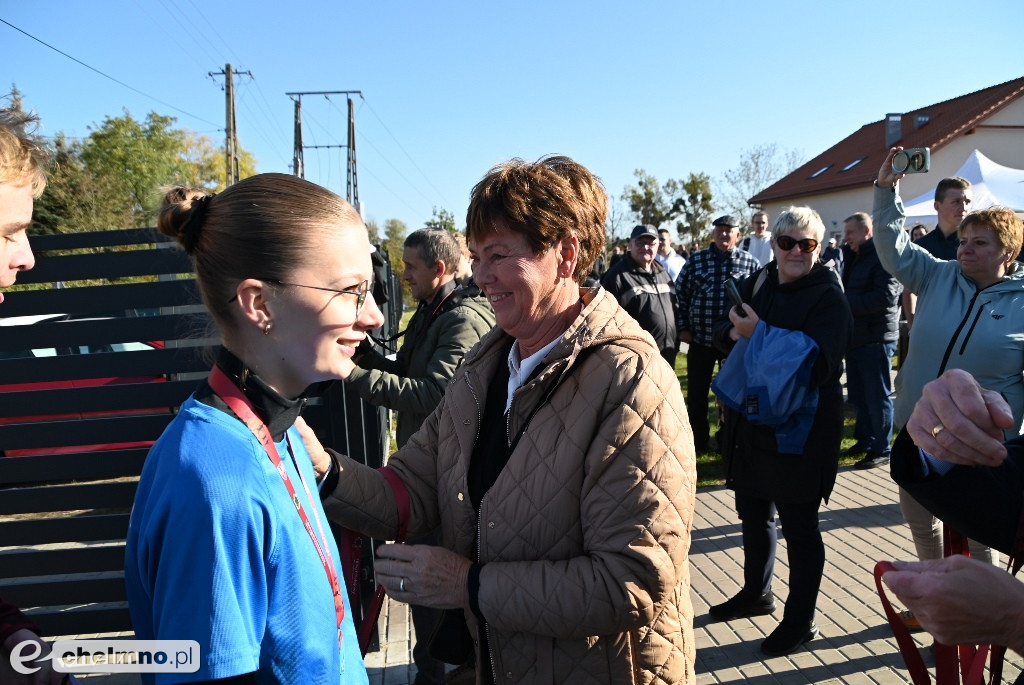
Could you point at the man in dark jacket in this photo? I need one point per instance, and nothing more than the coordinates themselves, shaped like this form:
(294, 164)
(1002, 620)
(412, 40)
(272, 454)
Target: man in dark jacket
(449, 321)
(643, 287)
(700, 289)
(873, 295)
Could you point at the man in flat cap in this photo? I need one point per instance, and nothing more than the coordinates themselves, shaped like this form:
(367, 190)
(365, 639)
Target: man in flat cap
(701, 300)
(643, 287)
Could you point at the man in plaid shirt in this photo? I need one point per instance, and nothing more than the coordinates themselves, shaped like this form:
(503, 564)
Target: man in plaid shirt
(701, 300)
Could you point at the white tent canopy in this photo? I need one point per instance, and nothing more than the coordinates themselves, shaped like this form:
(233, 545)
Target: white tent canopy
(991, 184)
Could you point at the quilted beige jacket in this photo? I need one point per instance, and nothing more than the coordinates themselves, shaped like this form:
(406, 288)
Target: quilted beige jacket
(584, 536)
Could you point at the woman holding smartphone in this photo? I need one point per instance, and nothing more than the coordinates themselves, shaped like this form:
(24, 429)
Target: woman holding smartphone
(793, 293)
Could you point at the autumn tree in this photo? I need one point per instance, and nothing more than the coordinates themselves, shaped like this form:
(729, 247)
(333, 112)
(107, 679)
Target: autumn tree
(758, 168)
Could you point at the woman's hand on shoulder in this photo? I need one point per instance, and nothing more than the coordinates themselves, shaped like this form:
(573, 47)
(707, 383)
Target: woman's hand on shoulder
(317, 454)
(742, 325)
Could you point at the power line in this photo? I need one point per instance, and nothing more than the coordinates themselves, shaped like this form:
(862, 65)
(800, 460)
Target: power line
(244, 101)
(108, 76)
(439, 193)
(384, 157)
(191, 29)
(401, 199)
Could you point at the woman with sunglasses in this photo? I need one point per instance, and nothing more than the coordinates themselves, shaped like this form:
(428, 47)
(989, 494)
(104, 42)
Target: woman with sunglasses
(769, 474)
(228, 543)
(970, 313)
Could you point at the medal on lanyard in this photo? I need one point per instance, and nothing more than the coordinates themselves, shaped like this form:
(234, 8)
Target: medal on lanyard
(243, 409)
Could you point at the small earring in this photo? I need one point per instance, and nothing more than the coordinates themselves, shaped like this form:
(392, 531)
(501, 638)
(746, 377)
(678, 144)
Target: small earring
(266, 329)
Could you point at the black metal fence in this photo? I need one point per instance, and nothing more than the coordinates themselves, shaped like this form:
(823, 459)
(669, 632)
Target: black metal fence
(93, 366)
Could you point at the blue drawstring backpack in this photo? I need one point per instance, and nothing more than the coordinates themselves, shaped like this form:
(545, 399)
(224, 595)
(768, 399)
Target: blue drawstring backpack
(767, 379)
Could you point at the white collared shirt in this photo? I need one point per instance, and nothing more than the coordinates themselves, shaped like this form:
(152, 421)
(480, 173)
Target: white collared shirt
(519, 370)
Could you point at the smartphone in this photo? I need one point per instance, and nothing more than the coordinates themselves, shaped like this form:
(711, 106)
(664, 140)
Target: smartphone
(733, 291)
(913, 160)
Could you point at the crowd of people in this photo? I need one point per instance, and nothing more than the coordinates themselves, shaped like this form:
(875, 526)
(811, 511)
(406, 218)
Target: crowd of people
(546, 461)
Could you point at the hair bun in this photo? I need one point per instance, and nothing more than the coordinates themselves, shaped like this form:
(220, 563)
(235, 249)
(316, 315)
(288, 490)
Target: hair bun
(182, 215)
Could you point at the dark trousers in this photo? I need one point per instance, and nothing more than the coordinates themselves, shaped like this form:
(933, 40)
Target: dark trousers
(429, 671)
(670, 353)
(869, 386)
(805, 547)
(700, 368)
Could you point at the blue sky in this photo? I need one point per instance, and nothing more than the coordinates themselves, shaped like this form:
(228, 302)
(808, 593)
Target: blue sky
(452, 88)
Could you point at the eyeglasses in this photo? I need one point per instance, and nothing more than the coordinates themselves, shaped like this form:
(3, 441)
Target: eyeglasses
(360, 291)
(787, 243)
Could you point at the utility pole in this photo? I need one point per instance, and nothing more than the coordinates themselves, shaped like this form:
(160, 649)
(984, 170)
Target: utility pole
(231, 146)
(298, 167)
(352, 177)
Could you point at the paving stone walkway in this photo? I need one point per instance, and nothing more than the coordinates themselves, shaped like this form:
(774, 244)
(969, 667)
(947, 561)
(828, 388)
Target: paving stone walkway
(861, 525)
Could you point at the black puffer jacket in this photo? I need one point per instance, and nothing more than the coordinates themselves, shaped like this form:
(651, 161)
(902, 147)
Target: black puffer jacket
(873, 294)
(814, 305)
(648, 296)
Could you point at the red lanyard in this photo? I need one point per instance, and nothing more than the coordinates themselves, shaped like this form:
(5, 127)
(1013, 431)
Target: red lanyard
(242, 407)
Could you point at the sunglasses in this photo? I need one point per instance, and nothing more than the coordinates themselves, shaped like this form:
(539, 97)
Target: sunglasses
(787, 243)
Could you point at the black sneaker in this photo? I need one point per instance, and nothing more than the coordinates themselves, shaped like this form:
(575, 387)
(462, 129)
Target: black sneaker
(744, 604)
(871, 460)
(854, 450)
(788, 637)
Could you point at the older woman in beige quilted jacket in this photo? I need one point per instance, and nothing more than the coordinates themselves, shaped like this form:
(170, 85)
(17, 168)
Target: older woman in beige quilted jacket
(559, 465)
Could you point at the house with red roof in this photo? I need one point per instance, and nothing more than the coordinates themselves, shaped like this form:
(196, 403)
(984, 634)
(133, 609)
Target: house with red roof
(838, 181)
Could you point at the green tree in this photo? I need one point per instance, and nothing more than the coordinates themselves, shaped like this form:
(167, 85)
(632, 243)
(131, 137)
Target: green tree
(141, 157)
(138, 158)
(374, 231)
(76, 199)
(394, 243)
(442, 219)
(651, 203)
(696, 208)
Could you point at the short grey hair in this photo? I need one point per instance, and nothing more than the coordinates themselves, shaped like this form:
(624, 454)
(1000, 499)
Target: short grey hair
(436, 245)
(793, 219)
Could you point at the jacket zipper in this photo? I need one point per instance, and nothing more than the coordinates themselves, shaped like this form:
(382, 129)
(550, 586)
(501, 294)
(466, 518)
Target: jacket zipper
(479, 555)
(956, 334)
(479, 529)
(974, 323)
